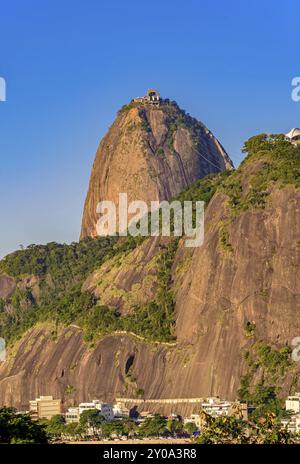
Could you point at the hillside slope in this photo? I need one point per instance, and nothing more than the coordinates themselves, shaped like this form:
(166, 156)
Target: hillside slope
(206, 321)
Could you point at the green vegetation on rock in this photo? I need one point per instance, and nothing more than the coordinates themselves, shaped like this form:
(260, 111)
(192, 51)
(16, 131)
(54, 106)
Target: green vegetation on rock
(261, 384)
(64, 263)
(18, 428)
(60, 271)
(153, 320)
(49, 277)
(270, 160)
(235, 430)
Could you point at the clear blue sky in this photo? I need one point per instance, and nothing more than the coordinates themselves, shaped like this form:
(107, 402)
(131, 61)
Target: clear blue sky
(69, 65)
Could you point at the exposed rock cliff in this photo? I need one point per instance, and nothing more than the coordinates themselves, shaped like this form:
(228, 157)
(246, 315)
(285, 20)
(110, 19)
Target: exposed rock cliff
(237, 302)
(150, 153)
(7, 286)
(217, 295)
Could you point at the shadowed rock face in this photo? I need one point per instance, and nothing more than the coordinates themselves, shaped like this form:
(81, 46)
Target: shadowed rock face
(7, 286)
(151, 154)
(217, 292)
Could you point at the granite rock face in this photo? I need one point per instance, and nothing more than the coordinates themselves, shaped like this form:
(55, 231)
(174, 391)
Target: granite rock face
(7, 286)
(150, 153)
(246, 274)
(217, 292)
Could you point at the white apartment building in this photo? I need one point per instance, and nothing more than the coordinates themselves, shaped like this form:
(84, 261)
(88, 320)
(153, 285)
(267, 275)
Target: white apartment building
(104, 409)
(292, 424)
(292, 403)
(216, 407)
(72, 415)
(120, 411)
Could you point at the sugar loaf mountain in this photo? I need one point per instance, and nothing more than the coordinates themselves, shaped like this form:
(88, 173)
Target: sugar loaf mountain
(148, 317)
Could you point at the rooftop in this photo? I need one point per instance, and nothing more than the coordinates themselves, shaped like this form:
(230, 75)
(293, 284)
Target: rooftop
(152, 96)
(293, 134)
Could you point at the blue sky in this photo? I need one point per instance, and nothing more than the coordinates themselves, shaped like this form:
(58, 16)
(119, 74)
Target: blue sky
(69, 66)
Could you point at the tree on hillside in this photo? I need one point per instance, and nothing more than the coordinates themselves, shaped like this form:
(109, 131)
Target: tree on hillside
(129, 427)
(74, 429)
(153, 426)
(115, 428)
(190, 427)
(56, 425)
(269, 431)
(174, 425)
(91, 418)
(20, 428)
(222, 430)
(230, 429)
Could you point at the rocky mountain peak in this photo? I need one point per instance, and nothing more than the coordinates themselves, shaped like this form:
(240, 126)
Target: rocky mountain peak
(152, 151)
